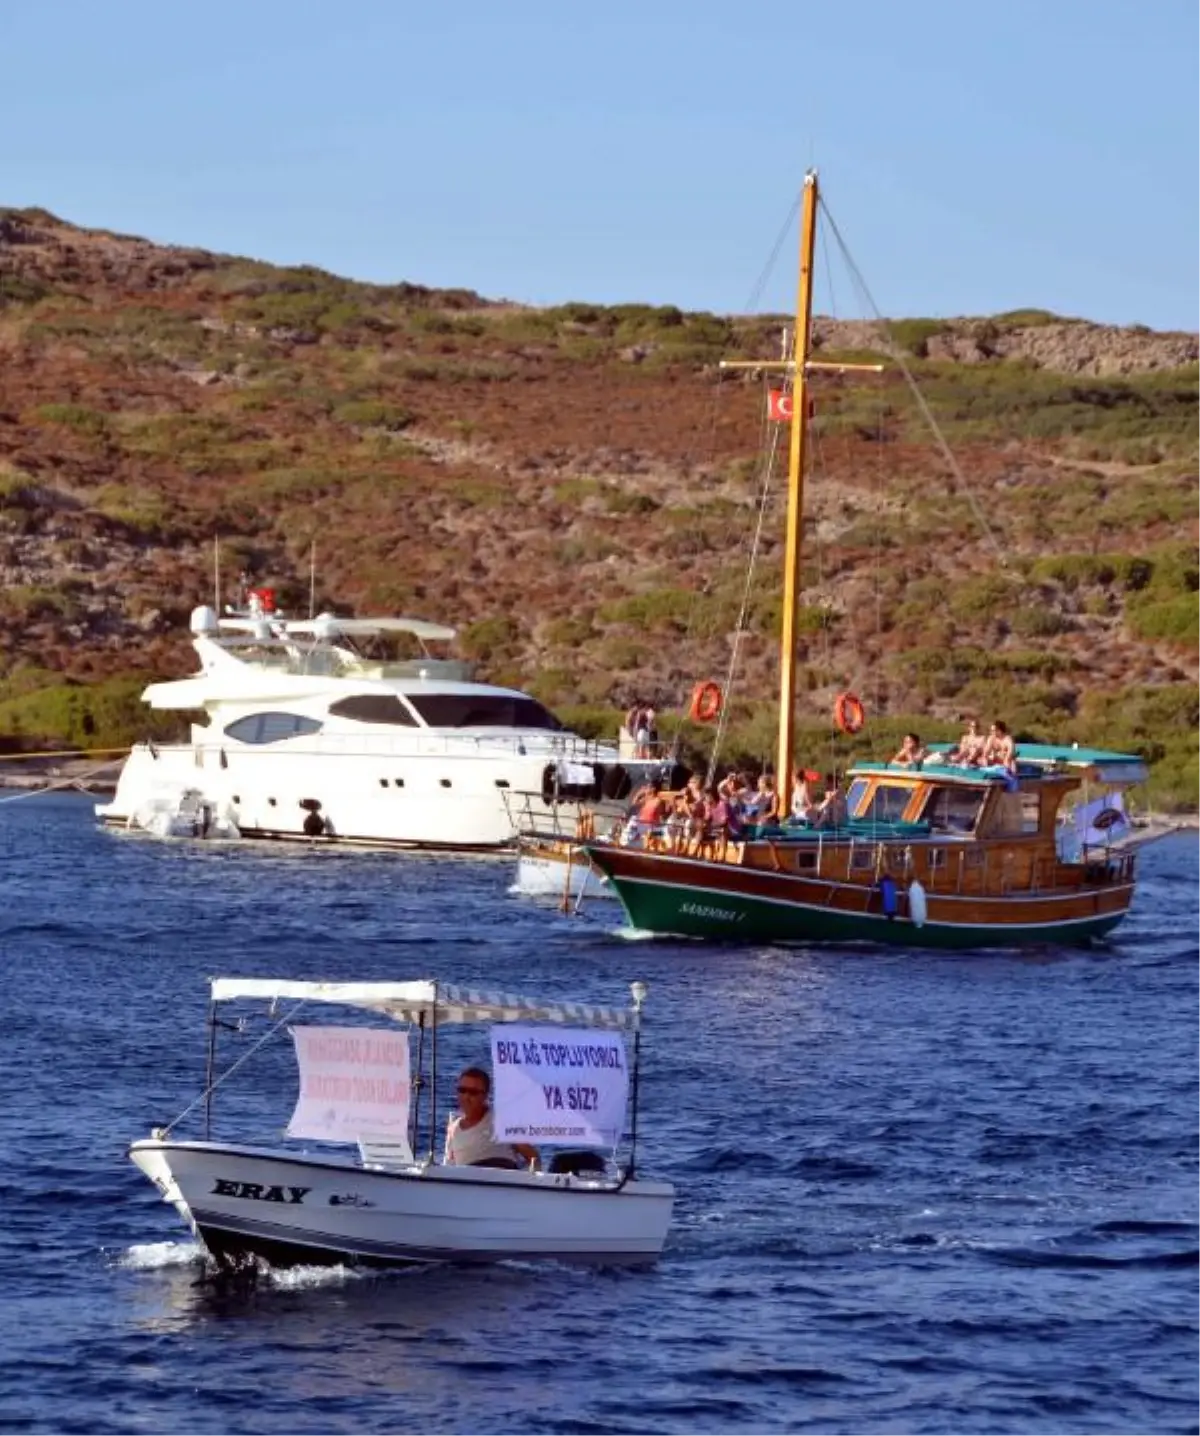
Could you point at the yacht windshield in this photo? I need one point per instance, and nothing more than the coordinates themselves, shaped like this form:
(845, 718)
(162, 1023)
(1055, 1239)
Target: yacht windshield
(373, 708)
(483, 710)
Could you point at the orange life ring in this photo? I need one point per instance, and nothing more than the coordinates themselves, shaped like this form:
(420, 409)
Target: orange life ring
(706, 702)
(848, 713)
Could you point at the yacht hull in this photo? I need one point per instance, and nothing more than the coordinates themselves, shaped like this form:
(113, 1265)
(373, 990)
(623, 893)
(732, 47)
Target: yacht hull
(247, 1203)
(724, 901)
(457, 800)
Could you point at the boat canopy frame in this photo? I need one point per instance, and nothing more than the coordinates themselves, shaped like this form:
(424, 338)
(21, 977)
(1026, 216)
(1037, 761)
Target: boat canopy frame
(427, 1004)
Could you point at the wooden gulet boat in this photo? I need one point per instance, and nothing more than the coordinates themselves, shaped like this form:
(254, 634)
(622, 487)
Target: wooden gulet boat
(935, 856)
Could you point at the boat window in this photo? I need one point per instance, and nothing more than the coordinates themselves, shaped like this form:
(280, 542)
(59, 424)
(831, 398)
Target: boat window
(483, 710)
(1031, 812)
(374, 708)
(887, 804)
(953, 810)
(855, 796)
(271, 727)
(1006, 819)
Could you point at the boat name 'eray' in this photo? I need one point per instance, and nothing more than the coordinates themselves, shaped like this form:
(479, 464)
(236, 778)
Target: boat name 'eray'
(259, 1192)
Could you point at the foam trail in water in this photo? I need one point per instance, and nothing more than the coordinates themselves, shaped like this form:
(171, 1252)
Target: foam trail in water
(151, 1256)
(304, 1278)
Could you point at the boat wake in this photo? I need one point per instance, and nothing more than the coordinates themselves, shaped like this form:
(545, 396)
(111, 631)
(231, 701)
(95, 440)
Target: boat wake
(157, 1256)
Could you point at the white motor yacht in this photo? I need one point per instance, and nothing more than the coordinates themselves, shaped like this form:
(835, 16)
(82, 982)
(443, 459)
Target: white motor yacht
(299, 736)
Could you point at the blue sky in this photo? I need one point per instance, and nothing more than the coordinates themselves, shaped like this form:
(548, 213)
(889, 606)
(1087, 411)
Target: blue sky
(977, 156)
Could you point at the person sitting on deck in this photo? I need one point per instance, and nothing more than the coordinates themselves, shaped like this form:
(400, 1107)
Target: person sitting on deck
(763, 804)
(471, 1136)
(969, 752)
(743, 793)
(804, 806)
(832, 811)
(1000, 751)
(724, 820)
(912, 754)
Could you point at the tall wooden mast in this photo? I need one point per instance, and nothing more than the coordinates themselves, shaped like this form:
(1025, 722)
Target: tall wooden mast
(795, 508)
(800, 366)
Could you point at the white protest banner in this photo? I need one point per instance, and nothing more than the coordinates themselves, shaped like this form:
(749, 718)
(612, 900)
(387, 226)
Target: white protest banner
(558, 1086)
(354, 1082)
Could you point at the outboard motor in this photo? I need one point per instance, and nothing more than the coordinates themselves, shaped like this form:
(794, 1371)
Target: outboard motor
(314, 823)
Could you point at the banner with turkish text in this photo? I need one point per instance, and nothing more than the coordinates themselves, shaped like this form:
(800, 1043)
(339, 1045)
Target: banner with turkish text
(558, 1086)
(354, 1082)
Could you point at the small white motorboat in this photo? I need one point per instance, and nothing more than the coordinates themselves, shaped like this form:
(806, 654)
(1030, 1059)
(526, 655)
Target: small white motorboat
(177, 812)
(562, 1079)
(549, 866)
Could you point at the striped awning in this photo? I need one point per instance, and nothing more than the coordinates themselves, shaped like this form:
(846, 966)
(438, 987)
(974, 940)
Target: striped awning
(410, 1001)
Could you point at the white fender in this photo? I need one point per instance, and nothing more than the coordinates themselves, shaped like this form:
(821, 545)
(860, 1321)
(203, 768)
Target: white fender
(918, 909)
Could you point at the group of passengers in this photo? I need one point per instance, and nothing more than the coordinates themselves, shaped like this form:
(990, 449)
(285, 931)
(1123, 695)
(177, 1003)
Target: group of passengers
(698, 817)
(993, 749)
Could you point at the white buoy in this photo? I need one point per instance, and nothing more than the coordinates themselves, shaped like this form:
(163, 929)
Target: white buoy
(918, 909)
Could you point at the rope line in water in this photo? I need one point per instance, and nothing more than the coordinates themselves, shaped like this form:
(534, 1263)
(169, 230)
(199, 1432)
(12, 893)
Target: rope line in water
(72, 782)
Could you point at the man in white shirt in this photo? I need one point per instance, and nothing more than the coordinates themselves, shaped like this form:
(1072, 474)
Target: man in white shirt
(471, 1137)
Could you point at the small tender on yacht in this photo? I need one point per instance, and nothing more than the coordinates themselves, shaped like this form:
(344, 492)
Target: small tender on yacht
(303, 737)
(359, 1182)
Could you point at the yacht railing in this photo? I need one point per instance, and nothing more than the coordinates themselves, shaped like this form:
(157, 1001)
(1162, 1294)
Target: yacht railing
(421, 743)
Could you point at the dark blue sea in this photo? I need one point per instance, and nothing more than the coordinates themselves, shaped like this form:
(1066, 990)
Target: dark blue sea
(918, 1193)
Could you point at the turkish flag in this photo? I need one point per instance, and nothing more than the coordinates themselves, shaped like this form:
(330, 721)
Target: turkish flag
(779, 407)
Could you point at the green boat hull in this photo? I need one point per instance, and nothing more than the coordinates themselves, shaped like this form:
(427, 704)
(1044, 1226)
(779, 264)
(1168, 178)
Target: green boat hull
(685, 911)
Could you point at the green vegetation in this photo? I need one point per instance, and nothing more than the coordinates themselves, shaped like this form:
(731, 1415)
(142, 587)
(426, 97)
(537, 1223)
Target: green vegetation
(98, 715)
(140, 511)
(914, 334)
(74, 416)
(490, 639)
(374, 414)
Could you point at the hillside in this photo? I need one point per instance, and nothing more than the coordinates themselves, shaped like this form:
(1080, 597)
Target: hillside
(576, 488)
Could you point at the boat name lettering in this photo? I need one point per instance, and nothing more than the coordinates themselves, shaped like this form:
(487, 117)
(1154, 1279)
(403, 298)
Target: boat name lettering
(699, 909)
(558, 1054)
(258, 1192)
(578, 1099)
